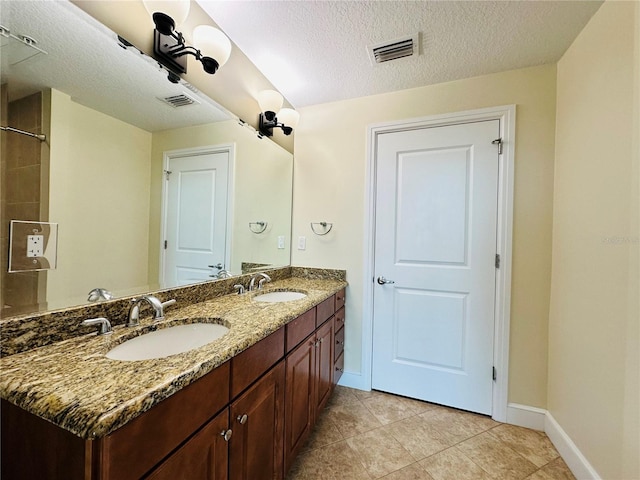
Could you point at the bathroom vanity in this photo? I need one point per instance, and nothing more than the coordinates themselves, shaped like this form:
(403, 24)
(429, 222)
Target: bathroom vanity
(240, 407)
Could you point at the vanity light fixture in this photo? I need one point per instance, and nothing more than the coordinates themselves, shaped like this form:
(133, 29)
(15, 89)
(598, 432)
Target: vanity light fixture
(212, 47)
(270, 103)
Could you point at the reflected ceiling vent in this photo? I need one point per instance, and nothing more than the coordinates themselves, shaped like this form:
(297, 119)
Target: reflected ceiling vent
(393, 50)
(181, 100)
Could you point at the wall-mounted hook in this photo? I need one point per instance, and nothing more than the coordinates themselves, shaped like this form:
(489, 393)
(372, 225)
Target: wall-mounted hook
(321, 228)
(258, 227)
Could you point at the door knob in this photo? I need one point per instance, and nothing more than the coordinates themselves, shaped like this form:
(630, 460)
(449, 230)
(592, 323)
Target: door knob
(384, 281)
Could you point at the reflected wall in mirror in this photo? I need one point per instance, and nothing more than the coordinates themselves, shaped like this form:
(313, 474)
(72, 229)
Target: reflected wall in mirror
(99, 174)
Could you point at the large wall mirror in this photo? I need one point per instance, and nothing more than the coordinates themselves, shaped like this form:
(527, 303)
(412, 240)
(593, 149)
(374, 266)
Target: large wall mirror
(151, 183)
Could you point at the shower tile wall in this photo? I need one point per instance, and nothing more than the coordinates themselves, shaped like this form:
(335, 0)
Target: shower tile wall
(22, 183)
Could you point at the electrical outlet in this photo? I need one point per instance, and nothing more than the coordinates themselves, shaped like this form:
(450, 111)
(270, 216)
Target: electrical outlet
(302, 243)
(281, 242)
(35, 245)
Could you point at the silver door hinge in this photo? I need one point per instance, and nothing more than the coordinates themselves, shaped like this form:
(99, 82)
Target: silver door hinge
(494, 374)
(497, 260)
(498, 141)
(167, 173)
(165, 244)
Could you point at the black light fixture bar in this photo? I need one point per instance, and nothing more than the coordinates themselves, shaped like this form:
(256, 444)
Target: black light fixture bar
(265, 126)
(170, 49)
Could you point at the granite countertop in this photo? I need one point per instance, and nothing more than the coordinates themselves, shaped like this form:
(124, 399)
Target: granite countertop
(73, 385)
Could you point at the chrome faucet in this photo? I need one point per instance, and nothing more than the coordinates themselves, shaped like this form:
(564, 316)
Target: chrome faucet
(158, 309)
(265, 278)
(103, 323)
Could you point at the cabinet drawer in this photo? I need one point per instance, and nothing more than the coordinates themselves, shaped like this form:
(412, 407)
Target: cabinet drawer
(248, 366)
(300, 328)
(140, 444)
(325, 310)
(340, 297)
(339, 319)
(339, 368)
(339, 346)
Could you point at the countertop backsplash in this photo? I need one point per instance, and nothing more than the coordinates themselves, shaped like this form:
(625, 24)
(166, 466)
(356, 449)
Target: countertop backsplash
(22, 333)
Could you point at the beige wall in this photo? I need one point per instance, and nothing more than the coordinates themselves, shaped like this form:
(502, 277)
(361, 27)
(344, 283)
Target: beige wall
(329, 184)
(99, 195)
(261, 191)
(593, 325)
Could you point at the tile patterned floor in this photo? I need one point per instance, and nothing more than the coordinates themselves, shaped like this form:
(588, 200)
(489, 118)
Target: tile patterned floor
(370, 435)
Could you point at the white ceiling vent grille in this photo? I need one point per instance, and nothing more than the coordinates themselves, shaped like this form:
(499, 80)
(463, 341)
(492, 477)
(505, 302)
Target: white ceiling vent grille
(393, 50)
(181, 100)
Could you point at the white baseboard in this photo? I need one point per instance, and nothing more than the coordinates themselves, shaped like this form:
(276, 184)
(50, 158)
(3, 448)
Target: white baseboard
(526, 416)
(354, 380)
(568, 450)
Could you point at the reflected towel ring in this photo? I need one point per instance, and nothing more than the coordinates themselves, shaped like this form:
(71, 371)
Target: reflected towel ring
(258, 227)
(321, 228)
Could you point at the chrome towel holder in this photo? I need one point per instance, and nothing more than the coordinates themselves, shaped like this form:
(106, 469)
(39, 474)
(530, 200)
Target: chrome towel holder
(321, 228)
(258, 227)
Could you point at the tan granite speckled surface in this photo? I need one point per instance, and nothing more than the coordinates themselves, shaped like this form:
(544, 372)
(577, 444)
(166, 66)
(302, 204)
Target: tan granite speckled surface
(72, 384)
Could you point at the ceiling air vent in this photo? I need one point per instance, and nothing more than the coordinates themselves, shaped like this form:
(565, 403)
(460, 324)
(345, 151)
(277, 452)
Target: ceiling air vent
(393, 50)
(181, 100)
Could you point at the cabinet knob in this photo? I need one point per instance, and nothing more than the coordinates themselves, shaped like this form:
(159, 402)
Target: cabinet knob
(339, 369)
(243, 418)
(338, 342)
(226, 434)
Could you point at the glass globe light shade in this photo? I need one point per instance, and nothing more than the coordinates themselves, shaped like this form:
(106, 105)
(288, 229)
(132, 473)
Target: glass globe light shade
(270, 101)
(212, 43)
(289, 117)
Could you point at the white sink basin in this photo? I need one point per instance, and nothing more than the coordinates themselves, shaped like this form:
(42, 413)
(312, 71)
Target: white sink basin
(273, 297)
(167, 341)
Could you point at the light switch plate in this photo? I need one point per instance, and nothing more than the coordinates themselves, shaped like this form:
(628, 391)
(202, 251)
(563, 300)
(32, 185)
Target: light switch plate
(281, 242)
(302, 243)
(32, 246)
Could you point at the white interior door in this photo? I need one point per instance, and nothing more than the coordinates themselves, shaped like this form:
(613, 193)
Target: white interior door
(435, 237)
(196, 217)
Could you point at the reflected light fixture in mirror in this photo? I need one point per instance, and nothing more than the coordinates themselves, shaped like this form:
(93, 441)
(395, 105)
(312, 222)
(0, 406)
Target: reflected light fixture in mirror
(212, 47)
(270, 103)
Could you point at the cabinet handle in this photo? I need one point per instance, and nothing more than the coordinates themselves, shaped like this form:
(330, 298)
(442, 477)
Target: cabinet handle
(338, 369)
(243, 418)
(226, 434)
(338, 342)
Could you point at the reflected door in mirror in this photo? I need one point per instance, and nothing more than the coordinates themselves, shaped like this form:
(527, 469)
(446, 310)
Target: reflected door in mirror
(195, 216)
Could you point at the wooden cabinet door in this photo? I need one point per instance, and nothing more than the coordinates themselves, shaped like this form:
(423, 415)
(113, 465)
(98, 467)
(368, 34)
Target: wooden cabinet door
(257, 422)
(300, 398)
(203, 457)
(324, 364)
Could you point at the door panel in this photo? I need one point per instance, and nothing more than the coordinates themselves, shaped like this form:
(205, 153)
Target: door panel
(203, 457)
(435, 237)
(256, 448)
(433, 192)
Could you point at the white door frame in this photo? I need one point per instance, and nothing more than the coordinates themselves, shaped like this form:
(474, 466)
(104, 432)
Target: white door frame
(506, 114)
(188, 152)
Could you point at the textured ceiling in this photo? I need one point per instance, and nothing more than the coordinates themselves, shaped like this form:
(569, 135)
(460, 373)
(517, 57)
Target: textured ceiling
(315, 51)
(85, 61)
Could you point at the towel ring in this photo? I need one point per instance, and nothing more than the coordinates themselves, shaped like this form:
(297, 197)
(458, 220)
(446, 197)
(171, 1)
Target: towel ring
(321, 228)
(258, 227)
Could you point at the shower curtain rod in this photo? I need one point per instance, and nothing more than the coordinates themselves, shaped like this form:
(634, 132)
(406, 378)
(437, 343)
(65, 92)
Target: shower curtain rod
(42, 138)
